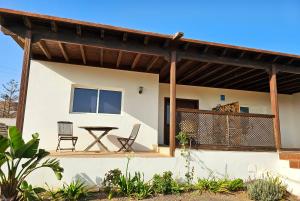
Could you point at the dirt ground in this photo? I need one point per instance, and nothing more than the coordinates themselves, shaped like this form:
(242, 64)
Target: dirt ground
(193, 196)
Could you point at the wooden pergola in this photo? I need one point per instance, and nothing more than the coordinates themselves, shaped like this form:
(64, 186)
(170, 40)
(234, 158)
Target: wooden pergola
(177, 60)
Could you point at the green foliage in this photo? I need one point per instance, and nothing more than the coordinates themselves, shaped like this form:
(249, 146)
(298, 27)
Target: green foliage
(21, 159)
(165, 184)
(74, 191)
(220, 185)
(182, 137)
(268, 188)
(111, 179)
(29, 193)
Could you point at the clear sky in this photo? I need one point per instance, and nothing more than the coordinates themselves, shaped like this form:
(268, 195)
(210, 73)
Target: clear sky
(266, 24)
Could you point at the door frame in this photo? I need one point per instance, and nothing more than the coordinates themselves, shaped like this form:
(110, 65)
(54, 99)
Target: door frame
(166, 132)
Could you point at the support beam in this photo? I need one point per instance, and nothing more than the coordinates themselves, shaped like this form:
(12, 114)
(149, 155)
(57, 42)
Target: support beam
(24, 82)
(63, 51)
(172, 102)
(154, 60)
(83, 54)
(42, 45)
(119, 59)
(101, 57)
(275, 107)
(136, 60)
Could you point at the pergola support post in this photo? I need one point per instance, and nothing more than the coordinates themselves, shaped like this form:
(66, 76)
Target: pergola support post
(24, 81)
(172, 102)
(275, 106)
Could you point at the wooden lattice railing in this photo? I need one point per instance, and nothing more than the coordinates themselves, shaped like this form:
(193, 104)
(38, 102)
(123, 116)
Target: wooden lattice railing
(222, 130)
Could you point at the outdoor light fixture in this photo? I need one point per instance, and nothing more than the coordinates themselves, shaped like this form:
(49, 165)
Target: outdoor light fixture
(141, 90)
(178, 35)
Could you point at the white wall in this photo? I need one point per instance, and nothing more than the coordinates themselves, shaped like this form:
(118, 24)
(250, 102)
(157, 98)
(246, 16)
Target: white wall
(49, 98)
(256, 101)
(232, 164)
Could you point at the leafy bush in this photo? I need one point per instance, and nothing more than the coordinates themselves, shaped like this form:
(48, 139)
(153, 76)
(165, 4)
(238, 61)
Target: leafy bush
(21, 159)
(30, 193)
(267, 188)
(74, 191)
(111, 179)
(165, 184)
(220, 185)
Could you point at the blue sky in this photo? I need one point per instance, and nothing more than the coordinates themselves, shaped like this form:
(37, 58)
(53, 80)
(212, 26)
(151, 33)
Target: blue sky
(268, 24)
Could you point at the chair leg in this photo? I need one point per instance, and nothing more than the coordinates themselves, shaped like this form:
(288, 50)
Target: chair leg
(58, 145)
(123, 145)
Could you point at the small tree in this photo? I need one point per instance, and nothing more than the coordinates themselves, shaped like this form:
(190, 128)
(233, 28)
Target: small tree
(9, 97)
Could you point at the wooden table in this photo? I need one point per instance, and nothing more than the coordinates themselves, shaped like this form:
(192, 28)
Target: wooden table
(97, 140)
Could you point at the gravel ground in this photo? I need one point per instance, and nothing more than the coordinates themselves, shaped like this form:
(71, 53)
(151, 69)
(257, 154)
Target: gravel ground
(193, 196)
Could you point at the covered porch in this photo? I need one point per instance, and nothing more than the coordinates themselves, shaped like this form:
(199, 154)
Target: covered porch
(177, 61)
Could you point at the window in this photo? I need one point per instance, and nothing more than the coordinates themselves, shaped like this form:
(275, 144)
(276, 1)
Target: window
(93, 101)
(85, 100)
(244, 109)
(110, 102)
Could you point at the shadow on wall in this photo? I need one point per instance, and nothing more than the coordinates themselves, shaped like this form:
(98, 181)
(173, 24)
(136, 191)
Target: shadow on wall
(88, 181)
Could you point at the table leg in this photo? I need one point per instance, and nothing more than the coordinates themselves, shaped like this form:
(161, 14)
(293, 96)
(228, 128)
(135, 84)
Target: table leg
(97, 140)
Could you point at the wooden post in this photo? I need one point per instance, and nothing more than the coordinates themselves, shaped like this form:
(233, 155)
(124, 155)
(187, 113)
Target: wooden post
(275, 107)
(172, 102)
(24, 81)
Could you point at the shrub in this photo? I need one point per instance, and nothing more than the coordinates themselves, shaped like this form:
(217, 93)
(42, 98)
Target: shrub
(220, 185)
(111, 179)
(21, 159)
(74, 191)
(165, 184)
(267, 188)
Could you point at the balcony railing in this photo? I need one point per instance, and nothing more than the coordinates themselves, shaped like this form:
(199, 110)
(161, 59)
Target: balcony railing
(229, 131)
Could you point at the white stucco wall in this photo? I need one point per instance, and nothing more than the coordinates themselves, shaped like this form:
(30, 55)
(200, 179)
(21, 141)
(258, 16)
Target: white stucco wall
(232, 164)
(256, 101)
(49, 98)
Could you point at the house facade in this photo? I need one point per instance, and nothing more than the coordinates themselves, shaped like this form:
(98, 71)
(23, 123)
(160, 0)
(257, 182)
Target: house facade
(239, 106)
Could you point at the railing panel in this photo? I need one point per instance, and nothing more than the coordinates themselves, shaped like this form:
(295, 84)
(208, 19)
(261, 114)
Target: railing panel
(226, 129)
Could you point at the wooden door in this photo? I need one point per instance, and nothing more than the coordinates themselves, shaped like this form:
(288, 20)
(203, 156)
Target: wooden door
(180, 103)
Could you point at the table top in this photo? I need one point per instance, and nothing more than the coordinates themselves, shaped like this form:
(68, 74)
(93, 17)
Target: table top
(98, 128)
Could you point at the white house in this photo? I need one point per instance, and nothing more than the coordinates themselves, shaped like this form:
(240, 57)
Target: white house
(238, 105)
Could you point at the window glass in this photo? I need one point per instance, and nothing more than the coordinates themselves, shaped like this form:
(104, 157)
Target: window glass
(244, 109)
(85, 100)
(110, 102)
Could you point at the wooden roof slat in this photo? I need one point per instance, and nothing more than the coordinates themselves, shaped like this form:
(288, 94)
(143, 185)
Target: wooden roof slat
(78, 30)
(27, 22)
(153, 61)
(101, 56)
(146, 40)
(233, 77)
(216, 69)
(125, 34)
(136, 60)
(102, 32)
(249, 83)
(54, 26)
(166, 43)
(186, 46)
(82, 51)
(183, 68)
(243, 79)
(196, 71)
(119, 59)
(220, 76)
(63, 51)
(42, 45)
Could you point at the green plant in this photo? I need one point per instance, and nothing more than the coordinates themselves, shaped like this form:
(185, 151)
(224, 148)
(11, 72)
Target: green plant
(165, 184)
(111, 179)
(186, 154)
(220, 185)
(267, 188)
(74, 191)
(30, 193)
(21, 159)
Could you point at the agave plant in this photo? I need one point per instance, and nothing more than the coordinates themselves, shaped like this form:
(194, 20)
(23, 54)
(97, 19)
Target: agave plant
(18, 160)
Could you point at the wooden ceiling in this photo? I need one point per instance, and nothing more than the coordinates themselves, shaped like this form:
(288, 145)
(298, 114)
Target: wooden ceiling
(199, 63)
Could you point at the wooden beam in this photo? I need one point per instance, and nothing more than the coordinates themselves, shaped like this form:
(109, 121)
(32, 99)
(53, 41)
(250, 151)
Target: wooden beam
(27, 22)
(196, 71)
(207, 74)
(63, 51)
(154, 60)
(275, 107)
(78, 30)
(101, 56)
(275, 59)
(290, 61)
(220, 76)
(172, 103)
(42, 45)
(243, 79)
(224, 52)
(119, 59)
(102, 32)
(166, 43)
(233, 77)
(259, 56)
(183, 68)
(206, 49)
(125, 34)
(164, 70)
(146, 40)
(82, 54)
(136, 60)
(251, 82)
(186, 46)
(24, 82)
(54, 26)
(242, 55)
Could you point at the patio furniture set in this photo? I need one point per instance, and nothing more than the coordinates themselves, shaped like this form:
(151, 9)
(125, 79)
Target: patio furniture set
(65, 133)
